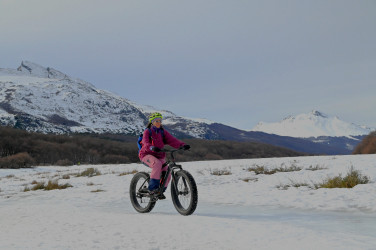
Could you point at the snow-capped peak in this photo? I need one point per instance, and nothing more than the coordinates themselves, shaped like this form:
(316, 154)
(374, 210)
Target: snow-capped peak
(318, 114)
(313, 124)
(40, 71)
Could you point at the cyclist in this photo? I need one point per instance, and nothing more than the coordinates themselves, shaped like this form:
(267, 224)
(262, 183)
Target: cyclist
(154, 138)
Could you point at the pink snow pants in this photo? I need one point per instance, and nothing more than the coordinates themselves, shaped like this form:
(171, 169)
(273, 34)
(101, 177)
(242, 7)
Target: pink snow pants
(156, 167)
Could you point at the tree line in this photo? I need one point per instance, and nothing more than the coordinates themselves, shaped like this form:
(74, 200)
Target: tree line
(21, 149)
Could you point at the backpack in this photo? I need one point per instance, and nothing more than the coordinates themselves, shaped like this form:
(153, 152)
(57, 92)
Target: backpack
(139, 141)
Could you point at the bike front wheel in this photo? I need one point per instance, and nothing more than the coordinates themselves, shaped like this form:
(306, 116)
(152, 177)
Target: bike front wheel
(140, 200)
(184, 192)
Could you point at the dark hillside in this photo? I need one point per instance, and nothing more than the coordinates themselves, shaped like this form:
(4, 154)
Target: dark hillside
(321, 145)
(19, 148)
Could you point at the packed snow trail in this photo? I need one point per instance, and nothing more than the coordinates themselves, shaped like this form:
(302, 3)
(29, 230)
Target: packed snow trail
(58, 224)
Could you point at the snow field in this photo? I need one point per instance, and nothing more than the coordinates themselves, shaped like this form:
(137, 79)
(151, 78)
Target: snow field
(231, 213)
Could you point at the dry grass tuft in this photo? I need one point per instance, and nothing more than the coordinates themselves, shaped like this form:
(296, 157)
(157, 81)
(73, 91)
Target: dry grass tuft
(98, 191)
(89, 172)
(51, 185)
(317, 167)
(353, 178)
(128, 173)
(263, 170)
(249, 179)
(221, 172)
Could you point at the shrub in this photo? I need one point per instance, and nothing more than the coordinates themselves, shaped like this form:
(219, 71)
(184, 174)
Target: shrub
(367, 145)
(20, 160)
(353, 178)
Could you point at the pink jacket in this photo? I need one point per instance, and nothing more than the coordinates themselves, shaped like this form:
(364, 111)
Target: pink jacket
(157, 141)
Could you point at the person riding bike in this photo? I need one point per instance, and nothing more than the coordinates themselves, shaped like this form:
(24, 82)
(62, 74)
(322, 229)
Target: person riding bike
(155, 137)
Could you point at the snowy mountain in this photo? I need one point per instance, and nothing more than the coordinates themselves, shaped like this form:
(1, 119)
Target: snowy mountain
(313, 124)
(46, 100)
(42, 99)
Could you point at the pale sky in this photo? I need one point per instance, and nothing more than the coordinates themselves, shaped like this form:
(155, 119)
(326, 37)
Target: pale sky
(235, 62)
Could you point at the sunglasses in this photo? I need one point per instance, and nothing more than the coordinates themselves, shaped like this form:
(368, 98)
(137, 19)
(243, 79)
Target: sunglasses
(158, 121)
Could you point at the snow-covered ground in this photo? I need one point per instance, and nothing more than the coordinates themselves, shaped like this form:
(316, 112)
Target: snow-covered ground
(237, 211)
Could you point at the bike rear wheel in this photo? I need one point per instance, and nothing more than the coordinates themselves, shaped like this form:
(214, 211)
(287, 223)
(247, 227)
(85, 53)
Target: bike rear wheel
(140, 200)
(184, 193)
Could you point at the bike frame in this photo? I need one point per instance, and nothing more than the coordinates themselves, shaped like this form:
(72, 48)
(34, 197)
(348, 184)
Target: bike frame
(172, 168)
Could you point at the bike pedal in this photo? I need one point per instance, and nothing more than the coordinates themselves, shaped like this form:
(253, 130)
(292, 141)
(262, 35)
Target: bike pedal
(161, 196)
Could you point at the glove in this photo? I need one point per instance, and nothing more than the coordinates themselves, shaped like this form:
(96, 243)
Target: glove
(155, 149)
(186, 147)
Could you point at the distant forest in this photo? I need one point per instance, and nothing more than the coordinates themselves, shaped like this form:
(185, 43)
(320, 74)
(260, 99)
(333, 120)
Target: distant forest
(368, 145)
(22, 149)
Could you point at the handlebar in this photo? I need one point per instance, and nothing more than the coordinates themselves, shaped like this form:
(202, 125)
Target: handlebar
(172, 151)
(165, 150)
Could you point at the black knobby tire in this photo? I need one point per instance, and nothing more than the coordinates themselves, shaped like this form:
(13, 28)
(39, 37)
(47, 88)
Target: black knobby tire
(142, 204)
(185, 197)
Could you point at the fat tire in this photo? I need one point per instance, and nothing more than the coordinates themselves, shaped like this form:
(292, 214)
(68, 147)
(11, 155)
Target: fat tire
(193, 193)
(133, 192)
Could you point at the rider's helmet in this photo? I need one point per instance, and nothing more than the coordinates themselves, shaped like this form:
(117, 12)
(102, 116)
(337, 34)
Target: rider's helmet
(154, 116)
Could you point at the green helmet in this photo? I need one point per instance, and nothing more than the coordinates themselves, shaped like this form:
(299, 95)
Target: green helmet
(154, 116)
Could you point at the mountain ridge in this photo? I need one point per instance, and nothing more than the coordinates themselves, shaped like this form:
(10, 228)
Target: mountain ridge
(40, 99)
